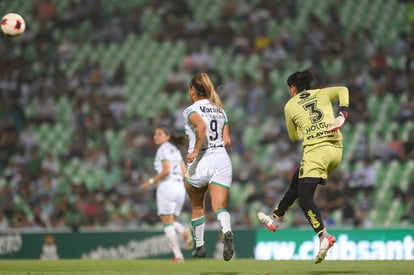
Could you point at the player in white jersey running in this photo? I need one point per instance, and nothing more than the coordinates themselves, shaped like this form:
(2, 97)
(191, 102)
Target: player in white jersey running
(171, 193)
(208, 163)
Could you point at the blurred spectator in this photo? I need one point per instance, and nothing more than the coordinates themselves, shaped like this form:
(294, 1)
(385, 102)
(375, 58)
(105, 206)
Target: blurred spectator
(378, 146)
(7, 204)
(404, 195)
(406, 109)
(409, 146)
(50, 165)
(330, 197)
(74, 218)
(274, 55)
(178, 80)
(92, 210)
(120, 74)
(28, 139)
(241, 43)
(45, 110)
(377, 65)
(4, 223)
(409, 66)
(409, 213)
(363, 180)
(45, 11)
(40, 220)
(395, 147)
(348, 215)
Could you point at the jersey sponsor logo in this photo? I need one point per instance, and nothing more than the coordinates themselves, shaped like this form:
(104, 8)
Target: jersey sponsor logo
(303, 95)
(317, 126)
(205, 109)
(320, 134)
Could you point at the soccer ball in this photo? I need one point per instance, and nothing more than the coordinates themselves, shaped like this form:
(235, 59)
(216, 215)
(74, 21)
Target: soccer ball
(12, 24)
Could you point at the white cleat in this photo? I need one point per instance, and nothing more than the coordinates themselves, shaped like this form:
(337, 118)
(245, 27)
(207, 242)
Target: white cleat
(326, 243)
(188, 239)
(268, 221)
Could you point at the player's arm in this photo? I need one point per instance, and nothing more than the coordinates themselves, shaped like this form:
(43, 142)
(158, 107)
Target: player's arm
(200, 132)
(226, 135)
(164, 172)
(341, 94)
(291, 127)
(183, 168)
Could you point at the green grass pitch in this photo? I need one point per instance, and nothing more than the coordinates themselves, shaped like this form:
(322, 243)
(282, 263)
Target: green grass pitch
(201, 267)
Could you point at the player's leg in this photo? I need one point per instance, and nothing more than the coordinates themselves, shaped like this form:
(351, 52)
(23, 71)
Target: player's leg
(197, 199)
(166, 208)
(289, 197)
(307, 189)
(285, 203)
(184, 231)
(316, 166)
(219, 196)
(167, 221)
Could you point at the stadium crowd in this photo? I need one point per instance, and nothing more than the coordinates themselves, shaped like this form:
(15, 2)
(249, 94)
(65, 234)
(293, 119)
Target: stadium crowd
(34, 193)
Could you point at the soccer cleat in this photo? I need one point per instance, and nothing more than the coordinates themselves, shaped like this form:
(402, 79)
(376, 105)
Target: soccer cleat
(326, 243)
(199, 252)
(268, 221)
(188, 239)
(228, 246)
(177, 260)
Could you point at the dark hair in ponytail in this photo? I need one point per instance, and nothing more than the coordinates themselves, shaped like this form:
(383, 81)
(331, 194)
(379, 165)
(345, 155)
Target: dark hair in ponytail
(177, 140)
(302, 80)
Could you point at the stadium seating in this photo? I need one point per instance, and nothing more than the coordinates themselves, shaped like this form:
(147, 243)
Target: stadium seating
(148, 63)
(145, 78)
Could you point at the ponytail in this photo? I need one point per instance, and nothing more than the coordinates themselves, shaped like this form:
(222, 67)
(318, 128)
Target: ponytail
(205, 88)
(177, 140)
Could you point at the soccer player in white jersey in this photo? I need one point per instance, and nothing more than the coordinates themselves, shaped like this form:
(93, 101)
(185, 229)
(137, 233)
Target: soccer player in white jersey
(171, 193)
(208, 163)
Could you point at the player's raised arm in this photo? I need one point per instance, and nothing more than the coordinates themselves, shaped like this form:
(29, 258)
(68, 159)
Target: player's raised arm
(341, 94)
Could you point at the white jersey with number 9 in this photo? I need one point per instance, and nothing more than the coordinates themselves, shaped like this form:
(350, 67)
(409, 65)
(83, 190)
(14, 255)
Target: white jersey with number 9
(212, 165)
(215, 119)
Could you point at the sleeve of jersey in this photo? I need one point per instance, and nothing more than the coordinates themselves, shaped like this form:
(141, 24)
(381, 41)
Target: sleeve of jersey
(187, 112)
(339, 93)
(290, 126)
(162, 154)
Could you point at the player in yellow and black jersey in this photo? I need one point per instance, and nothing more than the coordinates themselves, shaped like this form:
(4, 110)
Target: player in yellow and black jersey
(309, 114)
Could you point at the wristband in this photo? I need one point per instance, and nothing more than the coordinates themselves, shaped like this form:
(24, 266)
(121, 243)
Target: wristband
(151, 181)
(343, 111)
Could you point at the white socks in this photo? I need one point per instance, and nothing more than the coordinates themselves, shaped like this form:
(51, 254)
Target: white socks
(179, 227)
(173, 240)
(224, 219)
(198, 230)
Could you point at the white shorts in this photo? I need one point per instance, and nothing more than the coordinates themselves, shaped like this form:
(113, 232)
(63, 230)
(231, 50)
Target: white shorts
(212, 166)
(170, 198)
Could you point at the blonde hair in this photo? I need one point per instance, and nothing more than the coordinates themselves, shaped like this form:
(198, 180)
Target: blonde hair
(205, 88)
